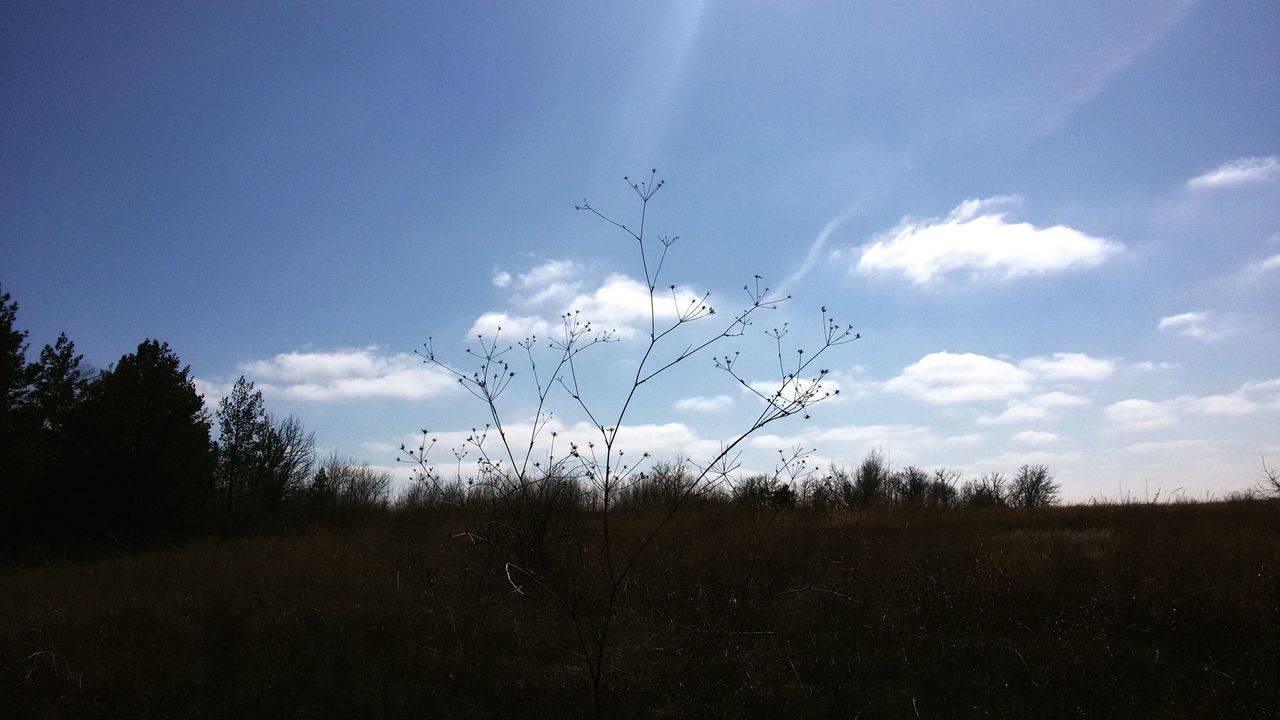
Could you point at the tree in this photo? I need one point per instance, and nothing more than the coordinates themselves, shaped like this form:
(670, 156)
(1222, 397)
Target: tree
(16, 488)
(873, 479)
(353, 485)
(911, 485)
(990, 490)
(1268, 480)
(58, 379)
(13, 375)
(286, 456)
(1033, 486)
(242, 431)
(141, 464)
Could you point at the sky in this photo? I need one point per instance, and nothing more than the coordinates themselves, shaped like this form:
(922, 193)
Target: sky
(1056, 228)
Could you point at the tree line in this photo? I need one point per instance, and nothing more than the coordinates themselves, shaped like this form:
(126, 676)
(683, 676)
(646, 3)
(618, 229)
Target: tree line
(128, 455)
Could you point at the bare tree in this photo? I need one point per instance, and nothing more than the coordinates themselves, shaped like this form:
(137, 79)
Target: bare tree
(872, 480)
(288, 454)
(1034, 486)
(990, 490)
(354, 484)
(1268, 480)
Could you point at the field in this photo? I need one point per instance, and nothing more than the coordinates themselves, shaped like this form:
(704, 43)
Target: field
(1143, 611)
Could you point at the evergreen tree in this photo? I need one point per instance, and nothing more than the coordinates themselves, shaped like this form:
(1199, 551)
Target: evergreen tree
(15, 457)
(142, 460)
(58, 379)
(13, 376)
(243, 429)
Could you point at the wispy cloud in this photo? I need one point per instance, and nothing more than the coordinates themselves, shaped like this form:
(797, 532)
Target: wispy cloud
(978, 240)
(1249, 399)
(1203, 325)
(704, 404)
(1036, 437)
(1036, 408)
(1237, 173)
(1263, 267)
(817, 246)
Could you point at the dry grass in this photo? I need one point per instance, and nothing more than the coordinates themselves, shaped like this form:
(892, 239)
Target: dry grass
(1131, 611)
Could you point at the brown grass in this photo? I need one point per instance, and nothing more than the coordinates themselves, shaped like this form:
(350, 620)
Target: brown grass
(1127, 611)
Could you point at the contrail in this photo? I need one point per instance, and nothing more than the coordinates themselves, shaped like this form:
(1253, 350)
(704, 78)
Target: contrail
(815, 250)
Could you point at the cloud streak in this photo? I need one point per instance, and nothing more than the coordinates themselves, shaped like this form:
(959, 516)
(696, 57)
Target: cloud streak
(1206, 325)
(1238, 173)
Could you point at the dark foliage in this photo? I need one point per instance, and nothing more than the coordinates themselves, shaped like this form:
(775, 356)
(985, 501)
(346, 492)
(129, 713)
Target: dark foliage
(139, 463)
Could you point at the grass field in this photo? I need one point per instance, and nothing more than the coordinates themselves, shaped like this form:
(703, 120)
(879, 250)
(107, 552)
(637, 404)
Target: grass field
(1142, 611)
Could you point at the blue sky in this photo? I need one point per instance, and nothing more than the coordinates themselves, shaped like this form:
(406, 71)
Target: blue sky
(1058, 230)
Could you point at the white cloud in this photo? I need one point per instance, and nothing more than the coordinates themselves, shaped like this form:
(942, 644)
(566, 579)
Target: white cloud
(1244, 171)
(1039, 407)
(1069, 366)
(1015, 459)
(1264, 266)
(976, 238)
(1139, 415)
(663, 441)
(349, 374)
(1206, 325)
(212, 391)
(513, 327)
(947, 378)
(1036, 437)
(622, 304)
(704, 404)
(1250, 398)
(1223, 405)
(555, 287)
(1148, 366)
(827, 389)
(849, 443)
(1261, 386)
(1164, 446)
(552, 280)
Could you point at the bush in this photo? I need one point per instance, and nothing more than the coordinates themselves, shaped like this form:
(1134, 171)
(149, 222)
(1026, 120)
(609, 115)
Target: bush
(660, 487)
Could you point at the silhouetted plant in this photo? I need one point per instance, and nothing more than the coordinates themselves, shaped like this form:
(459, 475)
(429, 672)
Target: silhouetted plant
(1033, 486)
(1268, 480)
(872, 482)
(910, 486)
(287, 456)
(242, 431)
(990, 490)
(942, 488)
(143, 449)
(508, 468)
(354, 485)
(661, 486)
